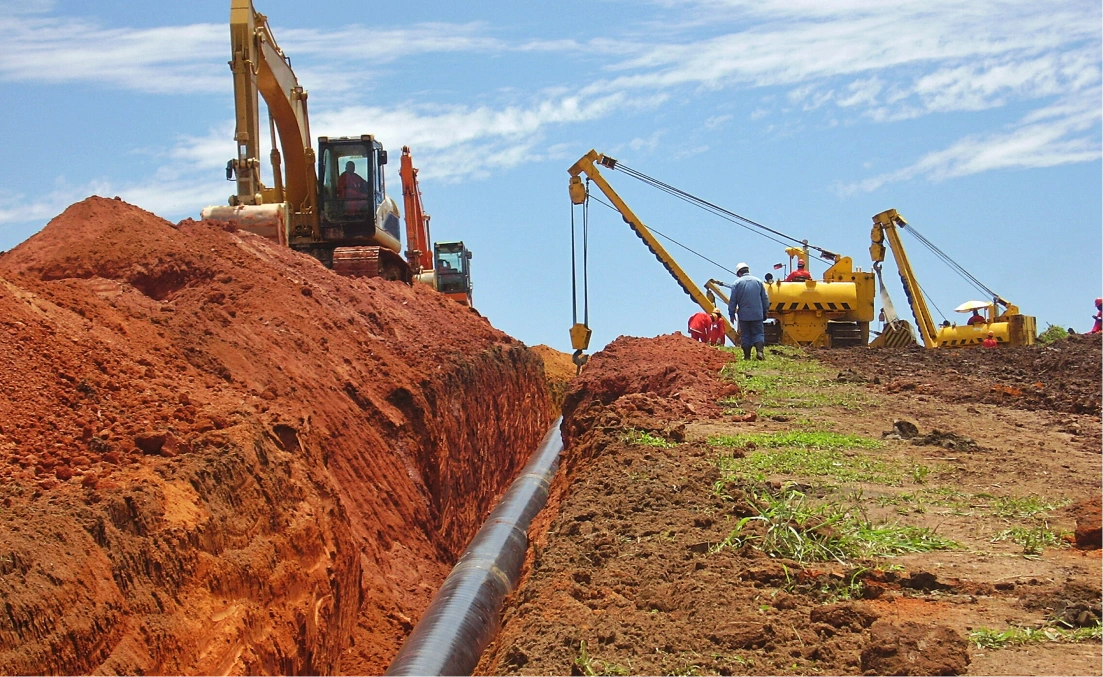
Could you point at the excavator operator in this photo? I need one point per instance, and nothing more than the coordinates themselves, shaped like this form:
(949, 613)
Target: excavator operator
(352, 188)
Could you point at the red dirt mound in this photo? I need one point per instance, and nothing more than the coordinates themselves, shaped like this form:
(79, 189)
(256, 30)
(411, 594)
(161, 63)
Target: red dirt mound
(220, 457)
(665, 378)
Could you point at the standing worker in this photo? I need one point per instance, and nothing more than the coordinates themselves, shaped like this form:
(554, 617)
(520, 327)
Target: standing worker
(1098, 317)
(748, 306)
(700, 327)
(800, 274)
(991, 341)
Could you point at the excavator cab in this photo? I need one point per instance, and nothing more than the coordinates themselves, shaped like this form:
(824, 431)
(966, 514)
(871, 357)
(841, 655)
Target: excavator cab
(453, 270)
(352, 188)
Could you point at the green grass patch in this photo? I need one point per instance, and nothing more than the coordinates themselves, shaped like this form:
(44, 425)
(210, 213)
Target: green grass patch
(796, 439)
(810, 454)
(788, 525)
(641, 438)
(1033, 539)
(1023, 507)
(789, 379)
(985, 638)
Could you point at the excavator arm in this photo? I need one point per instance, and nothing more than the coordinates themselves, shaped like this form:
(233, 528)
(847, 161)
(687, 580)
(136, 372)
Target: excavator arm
(418, 252)
(587, 165)
(261, 68)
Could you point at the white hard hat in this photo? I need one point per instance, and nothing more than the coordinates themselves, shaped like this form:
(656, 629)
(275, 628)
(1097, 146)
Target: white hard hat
(740, 267)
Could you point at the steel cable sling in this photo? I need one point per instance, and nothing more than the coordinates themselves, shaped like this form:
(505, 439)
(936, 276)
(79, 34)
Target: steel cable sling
(956, 267)
(727, 215)
(667, 237)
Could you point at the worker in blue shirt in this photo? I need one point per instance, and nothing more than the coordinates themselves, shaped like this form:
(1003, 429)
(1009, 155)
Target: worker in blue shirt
(748, 306)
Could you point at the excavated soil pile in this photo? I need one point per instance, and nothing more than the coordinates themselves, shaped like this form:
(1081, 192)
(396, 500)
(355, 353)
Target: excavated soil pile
(1061, 376)
(218, 456)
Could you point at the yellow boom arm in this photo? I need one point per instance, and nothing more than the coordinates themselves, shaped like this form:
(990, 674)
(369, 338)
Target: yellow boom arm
(884, 226)
(261, 68)
(586, 165)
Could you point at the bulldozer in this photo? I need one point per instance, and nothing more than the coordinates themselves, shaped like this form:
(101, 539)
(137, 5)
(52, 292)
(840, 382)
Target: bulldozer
(331, 203)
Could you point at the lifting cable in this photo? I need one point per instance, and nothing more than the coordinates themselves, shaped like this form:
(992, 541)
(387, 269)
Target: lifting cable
(966, 275)
(585, 265)
(725, 214)
(668, 238)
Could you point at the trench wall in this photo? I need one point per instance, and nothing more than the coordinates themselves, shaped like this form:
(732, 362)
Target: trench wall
(218, 457)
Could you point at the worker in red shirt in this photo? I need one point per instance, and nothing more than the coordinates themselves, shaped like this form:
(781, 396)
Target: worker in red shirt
(976, 318)
(700, 325)
(716, 331)
(800, 274)
(990, 341)
(1098, 317)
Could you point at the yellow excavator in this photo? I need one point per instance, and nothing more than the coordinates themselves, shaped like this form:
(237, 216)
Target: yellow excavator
(333, 203)
(832, 312)
(1008, 326)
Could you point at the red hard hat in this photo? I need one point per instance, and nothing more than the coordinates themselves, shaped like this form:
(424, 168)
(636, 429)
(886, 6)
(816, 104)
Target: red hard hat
(1099, 302)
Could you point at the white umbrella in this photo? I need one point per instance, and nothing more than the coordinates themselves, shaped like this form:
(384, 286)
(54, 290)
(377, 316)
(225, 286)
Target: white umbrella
(970, 306)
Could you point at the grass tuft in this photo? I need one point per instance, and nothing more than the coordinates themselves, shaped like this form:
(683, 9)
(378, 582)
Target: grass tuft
(585, 664)
(788, 525)
(1033, 539)
(639, 437)
(986, 638)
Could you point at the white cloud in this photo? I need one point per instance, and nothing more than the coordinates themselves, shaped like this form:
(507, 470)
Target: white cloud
(459, 140)
(1056, 135)
(650, 143)
(874, 60)
(176, 60)
(717, 121)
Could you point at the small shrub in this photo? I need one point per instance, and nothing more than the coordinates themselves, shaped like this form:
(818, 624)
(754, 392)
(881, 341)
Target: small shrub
(1052, 333)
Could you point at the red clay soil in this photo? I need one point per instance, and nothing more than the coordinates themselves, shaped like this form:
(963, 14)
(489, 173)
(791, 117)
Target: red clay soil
(559, 371)
(216, 456)
(626, 576)
(1062, 376)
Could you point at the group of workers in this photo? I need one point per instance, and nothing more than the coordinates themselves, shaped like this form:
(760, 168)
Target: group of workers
(747, 309)
(708, 327)
(749, 303)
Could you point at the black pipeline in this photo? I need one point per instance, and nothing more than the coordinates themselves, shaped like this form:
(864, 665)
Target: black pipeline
(463, 617)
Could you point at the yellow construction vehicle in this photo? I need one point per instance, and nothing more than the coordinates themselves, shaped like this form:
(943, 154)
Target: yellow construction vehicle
(1008, 326)
(834, 311)
(332, 204)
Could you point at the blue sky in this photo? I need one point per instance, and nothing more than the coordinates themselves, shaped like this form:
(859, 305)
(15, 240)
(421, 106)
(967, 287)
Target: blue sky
(978, 120)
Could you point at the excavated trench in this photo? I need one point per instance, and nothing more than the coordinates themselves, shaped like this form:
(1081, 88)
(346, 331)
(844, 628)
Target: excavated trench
(219, 457)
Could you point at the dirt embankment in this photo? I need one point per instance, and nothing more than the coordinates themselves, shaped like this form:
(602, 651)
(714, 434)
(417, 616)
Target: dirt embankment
(218, 456)
(637, 569)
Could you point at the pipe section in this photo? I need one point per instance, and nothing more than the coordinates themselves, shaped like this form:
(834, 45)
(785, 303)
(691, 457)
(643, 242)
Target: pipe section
(463, 617)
